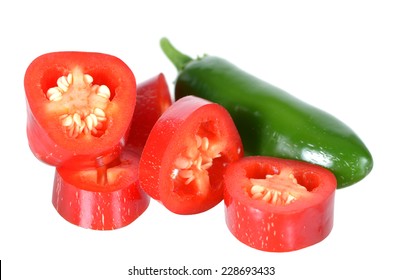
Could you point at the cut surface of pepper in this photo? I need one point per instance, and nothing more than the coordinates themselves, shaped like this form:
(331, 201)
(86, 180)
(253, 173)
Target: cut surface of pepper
(186, 153)
(277, 189)
(79, 108)
(80, 104)
(278, 205)
(191, 167)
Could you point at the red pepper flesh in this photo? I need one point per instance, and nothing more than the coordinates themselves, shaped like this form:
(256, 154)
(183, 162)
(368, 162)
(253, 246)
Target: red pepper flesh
(278, 205)
(105, 199)
(153, 98)
(186, 153)
(79, 108)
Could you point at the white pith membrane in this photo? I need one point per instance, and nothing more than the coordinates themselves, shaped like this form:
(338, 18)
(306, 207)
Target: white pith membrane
(277, 189)
(191, 166)
(80, 104)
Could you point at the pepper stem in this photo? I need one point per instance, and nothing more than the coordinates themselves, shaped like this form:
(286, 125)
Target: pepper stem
(178, 59)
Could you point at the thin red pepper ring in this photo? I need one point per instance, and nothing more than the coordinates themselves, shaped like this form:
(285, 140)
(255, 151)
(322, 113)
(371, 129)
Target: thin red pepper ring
(79, 108)
(153, 99)
(186, 153)
(101, 199)
(278, 205)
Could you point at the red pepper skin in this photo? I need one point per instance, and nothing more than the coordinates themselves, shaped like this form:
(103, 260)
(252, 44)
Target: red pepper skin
(82, 201)
(153, 98)
(279, 228)
(45, 136)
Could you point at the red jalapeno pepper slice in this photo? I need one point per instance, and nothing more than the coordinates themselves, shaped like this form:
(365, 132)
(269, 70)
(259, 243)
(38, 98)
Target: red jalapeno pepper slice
(101, 199)
(153, 98)
(186, 153)
(278, 205)
(80, 106)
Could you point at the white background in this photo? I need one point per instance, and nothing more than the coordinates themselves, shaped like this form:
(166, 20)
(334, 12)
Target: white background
(342, 56)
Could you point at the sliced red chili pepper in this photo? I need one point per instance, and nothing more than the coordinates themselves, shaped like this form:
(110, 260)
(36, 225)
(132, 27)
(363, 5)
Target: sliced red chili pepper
(278, 205)
(101, 199)
(186, 154)
(153, 98)
(79, 105)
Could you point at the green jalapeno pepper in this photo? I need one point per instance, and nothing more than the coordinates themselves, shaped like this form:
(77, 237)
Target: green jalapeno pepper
(271, 121)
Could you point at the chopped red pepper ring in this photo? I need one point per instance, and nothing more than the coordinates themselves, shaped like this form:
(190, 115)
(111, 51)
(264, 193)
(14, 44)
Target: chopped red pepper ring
(153, 99)
(278, 205)
(79, 105)
(101, 199)
(186, 153)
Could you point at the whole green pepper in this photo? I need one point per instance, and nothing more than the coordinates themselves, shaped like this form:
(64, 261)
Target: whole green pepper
(270, 121)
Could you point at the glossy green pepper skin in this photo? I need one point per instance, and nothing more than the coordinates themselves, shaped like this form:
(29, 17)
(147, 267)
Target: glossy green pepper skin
(270, 121)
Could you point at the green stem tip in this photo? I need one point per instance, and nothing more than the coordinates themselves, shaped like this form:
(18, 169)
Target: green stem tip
(178, 59)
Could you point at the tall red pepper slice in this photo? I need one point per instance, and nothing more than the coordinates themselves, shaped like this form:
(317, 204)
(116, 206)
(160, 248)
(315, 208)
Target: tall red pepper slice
(186, 153)
(79, 106)
(104, 199)
(153, 99)
(278, 205)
